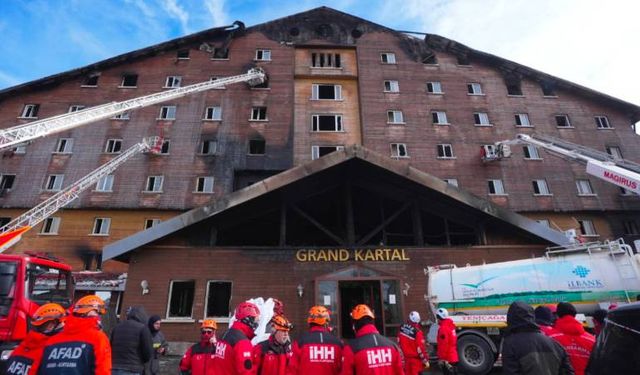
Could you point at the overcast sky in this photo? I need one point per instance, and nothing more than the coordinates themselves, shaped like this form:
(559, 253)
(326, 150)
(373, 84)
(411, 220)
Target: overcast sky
(589, 42)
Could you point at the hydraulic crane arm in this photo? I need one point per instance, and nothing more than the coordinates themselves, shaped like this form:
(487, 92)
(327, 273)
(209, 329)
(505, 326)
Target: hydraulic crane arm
(10, 233)
(42, 128)
(623, 173)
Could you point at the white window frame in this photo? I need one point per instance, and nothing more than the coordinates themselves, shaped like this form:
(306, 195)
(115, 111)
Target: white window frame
(210, 150)
(207, 185)
(50, 226)
(434, 87)
(614, 151)
(443, 149)
(219, 319)
(110, 146)
(121, 116)
(172, 82)
(105, 184)
(522, 120)
(481, 119)
(167, 113)
(439, 118)
(150, 223)
(64, 146)
(19, 149)
(30, 111)
(76, 108)
(337, 123)
(534, 153)
(3, 178)
(399, 150)
(263, 55)
(391, 86)
(567, 119)
(602, 122)
(474, 88)
(58, 180)
(388, 58)
(156, 187)
(165, 148)
(315, 150)
(541, 186)
(497, 186)
(587, 228)
(451, 181)
(101, 226)
(584, 187)
(315, 91)
(213, 113)
(256, 113)
(395, 117)
(180, 318)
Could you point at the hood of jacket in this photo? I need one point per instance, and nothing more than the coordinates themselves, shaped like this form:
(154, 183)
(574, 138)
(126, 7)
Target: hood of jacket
(569, 326)
(447, 323)
(520, 317)
(138, 314)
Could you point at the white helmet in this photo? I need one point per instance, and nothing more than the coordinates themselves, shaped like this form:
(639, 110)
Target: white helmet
(442, 313)
(414, 317)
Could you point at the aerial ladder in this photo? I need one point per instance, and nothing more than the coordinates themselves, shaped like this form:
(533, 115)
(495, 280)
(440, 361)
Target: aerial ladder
(20, 134)
(12, 232)
(621, 172)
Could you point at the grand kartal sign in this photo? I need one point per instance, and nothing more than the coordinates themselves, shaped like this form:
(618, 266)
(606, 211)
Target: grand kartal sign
(346, 255)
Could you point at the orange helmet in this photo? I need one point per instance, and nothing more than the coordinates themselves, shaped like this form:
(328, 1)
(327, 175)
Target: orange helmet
(47, 313)
(209, 323)
(319, 315)
(360, 311)
(280, 323)
(88, 303)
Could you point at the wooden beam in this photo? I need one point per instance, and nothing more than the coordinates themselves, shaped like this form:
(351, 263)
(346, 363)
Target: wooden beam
(283, 223)
(388, 220)
(416, 220)
(318, 225)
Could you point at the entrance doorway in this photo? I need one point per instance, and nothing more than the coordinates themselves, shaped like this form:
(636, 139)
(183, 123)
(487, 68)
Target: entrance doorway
(353, 293)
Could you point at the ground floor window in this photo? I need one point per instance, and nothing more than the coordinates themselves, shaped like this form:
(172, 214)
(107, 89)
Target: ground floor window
(218, 299)
(181, 298)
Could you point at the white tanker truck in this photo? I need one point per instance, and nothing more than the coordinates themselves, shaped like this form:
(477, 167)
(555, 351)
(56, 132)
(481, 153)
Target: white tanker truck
(590, 276)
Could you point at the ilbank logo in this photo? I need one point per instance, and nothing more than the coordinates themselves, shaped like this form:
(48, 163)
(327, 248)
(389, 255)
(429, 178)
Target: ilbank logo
(583, 283)
(379, 357)
(581, 271)
(321, 354)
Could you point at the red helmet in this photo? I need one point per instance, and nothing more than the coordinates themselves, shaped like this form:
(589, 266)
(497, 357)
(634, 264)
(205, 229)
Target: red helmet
(248, 313)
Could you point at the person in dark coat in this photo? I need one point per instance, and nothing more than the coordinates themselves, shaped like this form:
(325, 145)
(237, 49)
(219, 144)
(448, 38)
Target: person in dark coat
(131, 343)
(526, 350)
(160, 346)
(544, 319)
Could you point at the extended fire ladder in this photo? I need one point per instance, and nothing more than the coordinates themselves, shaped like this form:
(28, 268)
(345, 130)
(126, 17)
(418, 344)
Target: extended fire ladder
(621, 172)
(23, 133)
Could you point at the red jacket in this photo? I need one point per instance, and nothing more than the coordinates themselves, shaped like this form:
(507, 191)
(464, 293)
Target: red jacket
(199, 359)
(234, 351)
(316, 352)
(411, 341)
(25, 359)
(547, 330)
(447, 341)
(81, 348)
(370, 353)
(271, 358)
(575, 340)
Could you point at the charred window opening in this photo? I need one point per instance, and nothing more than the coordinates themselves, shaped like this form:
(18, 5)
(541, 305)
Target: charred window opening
(181, 295)
(218, 299)
(165, 147)
(129, 80)
(562, 121)
(91, 80)
(6, 181)
(4, 221)
(429, 59)
(182, 54)
(514, 88)
(220, 53)
(257, 147)
(548, 89)
(463, 60)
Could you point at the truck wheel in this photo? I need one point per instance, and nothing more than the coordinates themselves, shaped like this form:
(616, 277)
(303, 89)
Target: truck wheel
(475, 355)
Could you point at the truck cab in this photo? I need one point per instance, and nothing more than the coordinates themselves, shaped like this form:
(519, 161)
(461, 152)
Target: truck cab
(28, 281)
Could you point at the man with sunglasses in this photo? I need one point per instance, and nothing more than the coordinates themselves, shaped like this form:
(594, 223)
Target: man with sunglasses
(198, 360)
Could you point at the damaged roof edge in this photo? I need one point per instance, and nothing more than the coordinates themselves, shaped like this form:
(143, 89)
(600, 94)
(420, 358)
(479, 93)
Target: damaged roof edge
(119, 249)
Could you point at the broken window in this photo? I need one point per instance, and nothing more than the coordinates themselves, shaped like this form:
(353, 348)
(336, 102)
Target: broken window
(259, 114)
(429, 59)
(631, 227)
(602, 122)
(129, 80)
(320, 151)
(75, 108)
(451, 181)
(391, 86)
(167, 113)
(514, 89)
(101, 226)
(208, 147)
(326, 60)
(6, 181)
(439, 118)
(434, 87)
(173, 82)
(64, 146)
(587, 228)
(54, 182)
(562, 121)
(50, 225)
(474, 88)
(204, 184)
(220, 53)
(522, 119)
(395, 117)
(91, 80)
(614, 151)
(113, 146)
(548, 89)
(326, 92)
(150, 223)
(181, 295)
(19, 149)
(540, 187)
(218, 299)
(183, 54)
(164, 149)
(326, 123)
(388, 58)
(584, 187)
(213, 113)
(257, 147)
(445, 151)
(496, 187)
(121, 116)
(463, 60)
(154, 184)
(105, 183)
(30, 111)
(531, 152)
(399, 150)
(481, 119)
(263, 55)
(4, 221)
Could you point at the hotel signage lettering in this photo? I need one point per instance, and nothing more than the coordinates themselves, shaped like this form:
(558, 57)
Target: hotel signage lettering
(345, 255)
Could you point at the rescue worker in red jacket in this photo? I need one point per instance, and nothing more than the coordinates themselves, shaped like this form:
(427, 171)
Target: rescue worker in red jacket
(411, 341)
(234, 349)
(198, 360)
(370, 353)
(447, 342)
(81, 348)
(317, 351)
(570, 333)
(47, 321)
(272, 356)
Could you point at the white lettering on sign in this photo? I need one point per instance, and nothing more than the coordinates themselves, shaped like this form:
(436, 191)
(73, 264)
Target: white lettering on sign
(379, 357)
(18, 368)
(221, 348)
(321, 354)
(65, 353)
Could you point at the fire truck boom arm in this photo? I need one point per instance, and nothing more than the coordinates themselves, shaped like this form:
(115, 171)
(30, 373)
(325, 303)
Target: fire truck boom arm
(42, 128)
